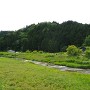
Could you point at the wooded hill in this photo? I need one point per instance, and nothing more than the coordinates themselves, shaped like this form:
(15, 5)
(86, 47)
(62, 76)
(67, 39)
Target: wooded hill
(45, 36)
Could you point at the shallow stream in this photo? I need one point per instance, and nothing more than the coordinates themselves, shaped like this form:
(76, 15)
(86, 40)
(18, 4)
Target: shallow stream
(62, 68)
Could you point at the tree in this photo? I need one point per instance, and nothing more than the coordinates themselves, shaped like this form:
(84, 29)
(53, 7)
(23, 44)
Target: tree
(46, 36)
(87, 41)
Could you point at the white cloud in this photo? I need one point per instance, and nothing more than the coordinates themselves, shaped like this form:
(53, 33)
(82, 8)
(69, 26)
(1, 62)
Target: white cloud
(15, 14)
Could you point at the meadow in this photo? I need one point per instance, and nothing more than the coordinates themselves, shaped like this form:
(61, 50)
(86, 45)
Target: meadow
(60, 58)
(18, 75)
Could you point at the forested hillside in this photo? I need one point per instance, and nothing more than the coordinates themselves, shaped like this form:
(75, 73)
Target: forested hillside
(45, 36)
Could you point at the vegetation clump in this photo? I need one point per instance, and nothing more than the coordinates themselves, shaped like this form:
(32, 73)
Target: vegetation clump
(87, 54)
(72, 50)
(87, 41)
(27, 51)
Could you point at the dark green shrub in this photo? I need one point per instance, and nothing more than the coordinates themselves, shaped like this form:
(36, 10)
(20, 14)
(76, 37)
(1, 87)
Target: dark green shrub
(87, 41)
(63, 49)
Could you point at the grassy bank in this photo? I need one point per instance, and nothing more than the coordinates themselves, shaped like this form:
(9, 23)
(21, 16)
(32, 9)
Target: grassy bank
(54, 58)
(19, 75)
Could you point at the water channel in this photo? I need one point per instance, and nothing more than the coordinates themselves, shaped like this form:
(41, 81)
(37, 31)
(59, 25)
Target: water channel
(62, 68)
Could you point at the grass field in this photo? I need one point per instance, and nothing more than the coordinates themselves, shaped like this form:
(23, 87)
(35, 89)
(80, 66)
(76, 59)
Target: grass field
(54, 58)
(19, 75)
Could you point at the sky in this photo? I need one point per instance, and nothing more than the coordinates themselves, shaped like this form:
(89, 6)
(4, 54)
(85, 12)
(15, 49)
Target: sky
(16, 14)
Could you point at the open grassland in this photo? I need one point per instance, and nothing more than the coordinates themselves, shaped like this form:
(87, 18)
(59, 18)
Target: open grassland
(19, 75)
(54, 58)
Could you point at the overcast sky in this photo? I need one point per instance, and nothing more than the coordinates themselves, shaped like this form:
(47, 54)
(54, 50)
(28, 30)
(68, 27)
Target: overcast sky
(16, 14)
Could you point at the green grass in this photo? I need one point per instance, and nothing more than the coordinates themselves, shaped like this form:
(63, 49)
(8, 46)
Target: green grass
(19, 75)
(54, 58)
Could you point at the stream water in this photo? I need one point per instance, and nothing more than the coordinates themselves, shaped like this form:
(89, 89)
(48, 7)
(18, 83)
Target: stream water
(62, 68)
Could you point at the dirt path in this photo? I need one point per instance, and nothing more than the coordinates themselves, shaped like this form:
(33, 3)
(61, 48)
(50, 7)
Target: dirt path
(62, 68)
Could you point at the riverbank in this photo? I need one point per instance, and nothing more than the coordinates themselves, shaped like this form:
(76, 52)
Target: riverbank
(62, 68)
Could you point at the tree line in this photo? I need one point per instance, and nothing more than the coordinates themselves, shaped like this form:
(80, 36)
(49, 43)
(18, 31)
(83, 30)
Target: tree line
(45, 36)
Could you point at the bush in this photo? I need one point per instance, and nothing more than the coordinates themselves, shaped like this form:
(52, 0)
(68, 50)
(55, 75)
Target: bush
(35, 51)
(73, 51)
(40, 51)
(87, 54)
(27, 51)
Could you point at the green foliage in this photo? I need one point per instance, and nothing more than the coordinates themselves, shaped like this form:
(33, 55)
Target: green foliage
(27, 51)
(49, 56)
(87, 41)
(80, 61)
(63, 49)
(35, 51)
(87, 54)
(45, 36)
(40, 51)
(73, 50)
